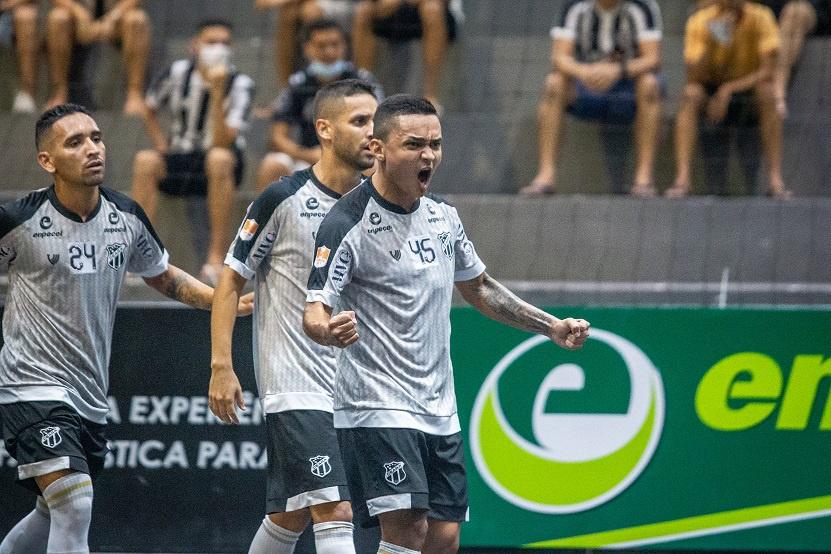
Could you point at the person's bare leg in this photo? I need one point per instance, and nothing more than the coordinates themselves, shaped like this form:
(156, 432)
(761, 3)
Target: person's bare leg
(771, 130)
(405, 528)
(26, 44)
(686, 133)
(135, 37)
(797, 20)
(558, 92)
(59, 41)
(270, 169)
(442, 537)
(433, 43)
(363, 40)
(647, 126)
(285, 35)
(148, 172)
(219, 169)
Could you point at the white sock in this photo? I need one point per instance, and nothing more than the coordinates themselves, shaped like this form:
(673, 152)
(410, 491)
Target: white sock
(389, 548)
(334, 537)
(30, 534)
(273, 539)
(70, 509)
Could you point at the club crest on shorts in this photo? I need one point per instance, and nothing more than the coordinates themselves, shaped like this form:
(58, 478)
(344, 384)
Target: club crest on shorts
(50, 437)
(394, 472)
(321, 466)
(446, 244)
(115, 255)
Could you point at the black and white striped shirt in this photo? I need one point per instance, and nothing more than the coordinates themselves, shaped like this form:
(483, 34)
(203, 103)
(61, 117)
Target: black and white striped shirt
(615, 34)
(183, 92)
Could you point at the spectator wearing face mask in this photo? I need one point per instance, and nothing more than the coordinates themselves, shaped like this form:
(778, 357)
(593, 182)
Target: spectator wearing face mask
(209, 104)
(293, 138)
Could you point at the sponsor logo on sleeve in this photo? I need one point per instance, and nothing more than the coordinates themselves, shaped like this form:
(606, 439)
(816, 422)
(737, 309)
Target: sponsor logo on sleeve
(375, 218)
(322, 256)
(312, 203)
(249, 228)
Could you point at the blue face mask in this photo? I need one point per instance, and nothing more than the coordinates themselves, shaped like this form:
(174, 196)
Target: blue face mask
(327, 70)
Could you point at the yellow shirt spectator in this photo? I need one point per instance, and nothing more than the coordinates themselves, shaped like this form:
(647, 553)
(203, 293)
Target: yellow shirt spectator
(730, 51)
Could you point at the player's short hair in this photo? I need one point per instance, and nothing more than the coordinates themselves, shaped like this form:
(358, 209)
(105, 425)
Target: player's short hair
(336, 91)
(397, 105)
(52, 115)
(213, 22)
(321, 24)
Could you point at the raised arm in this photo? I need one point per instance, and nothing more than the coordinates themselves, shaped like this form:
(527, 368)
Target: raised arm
(495, 301)
(321, 326)
(224, 391)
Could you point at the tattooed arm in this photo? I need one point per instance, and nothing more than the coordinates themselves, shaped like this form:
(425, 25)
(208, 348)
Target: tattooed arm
(180, 285)
(490, 297)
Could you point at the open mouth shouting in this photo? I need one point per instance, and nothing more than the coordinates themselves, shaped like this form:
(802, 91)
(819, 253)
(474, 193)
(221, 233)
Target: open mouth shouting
(424, 175)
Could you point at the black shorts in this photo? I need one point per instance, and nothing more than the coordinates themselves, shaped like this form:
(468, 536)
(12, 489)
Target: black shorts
(304, 462)
(823, 9)
(405, 24)
(50, 436)
(186, 173)
(394, 469)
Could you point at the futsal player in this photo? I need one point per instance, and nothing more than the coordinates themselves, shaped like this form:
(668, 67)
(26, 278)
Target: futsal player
(387, 257)
(68, 248)
(306, 479)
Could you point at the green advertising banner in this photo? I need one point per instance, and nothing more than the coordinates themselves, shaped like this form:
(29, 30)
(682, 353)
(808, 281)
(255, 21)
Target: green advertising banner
(671, 428)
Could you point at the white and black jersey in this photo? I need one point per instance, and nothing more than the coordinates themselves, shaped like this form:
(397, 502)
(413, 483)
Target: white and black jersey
(183, 92)
(615, 34)
(275, 244)
(396, 271)
(64, 278)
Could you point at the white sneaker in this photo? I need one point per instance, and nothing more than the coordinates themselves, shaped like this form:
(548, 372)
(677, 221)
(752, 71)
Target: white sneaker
(23, 103)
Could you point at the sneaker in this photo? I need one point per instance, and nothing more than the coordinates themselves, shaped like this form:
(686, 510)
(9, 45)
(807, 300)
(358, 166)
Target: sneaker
(23, 103)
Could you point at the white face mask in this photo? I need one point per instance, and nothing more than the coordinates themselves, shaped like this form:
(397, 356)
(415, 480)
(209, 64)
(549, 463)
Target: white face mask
(213, 55)
(327, 70)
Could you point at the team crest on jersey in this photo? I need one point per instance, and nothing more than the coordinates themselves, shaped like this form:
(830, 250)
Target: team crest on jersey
(321, 466)
(53, 258)
(446, 244)
(249, 228)
(50, 437)
(115, 255)
(322, 256)
(394, 472)
(396, 254)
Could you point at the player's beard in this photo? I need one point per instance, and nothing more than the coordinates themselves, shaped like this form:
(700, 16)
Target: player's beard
(356, 159)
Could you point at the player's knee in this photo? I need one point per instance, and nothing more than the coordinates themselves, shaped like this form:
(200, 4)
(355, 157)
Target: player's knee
(693, 94)
(431, 10)
(296, 520)
(332, 511)
(364, 12)
(555, 86)
(147, 162)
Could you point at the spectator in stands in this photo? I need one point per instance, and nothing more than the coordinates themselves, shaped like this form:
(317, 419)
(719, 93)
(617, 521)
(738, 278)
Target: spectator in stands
(210, 103)
(730, 49)
(291, 17)
(797, 19)
(293, 134)
(605, 56)
(121, 22)
(18, 29)
(434, 21)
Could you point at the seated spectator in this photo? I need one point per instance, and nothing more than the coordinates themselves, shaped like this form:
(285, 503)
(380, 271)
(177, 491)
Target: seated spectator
(434, 21)
(730, 49)
(291, 17)
(604, 57)
(293, 135)
(209, 102)
(797, 19)
(120, 22)
(19, 20)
